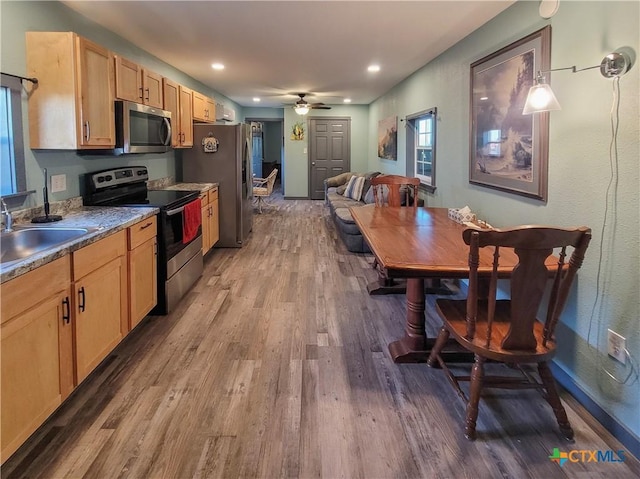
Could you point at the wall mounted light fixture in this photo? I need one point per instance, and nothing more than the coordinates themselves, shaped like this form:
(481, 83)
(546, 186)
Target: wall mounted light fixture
(541, 97)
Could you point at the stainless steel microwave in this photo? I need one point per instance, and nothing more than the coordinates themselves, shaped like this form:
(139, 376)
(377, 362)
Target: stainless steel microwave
(141, 128)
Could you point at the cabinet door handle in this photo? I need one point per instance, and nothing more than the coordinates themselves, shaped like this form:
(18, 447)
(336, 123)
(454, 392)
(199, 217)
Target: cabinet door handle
(146, 226)
(141, 92)
(81, 298)
(210, 210)
(88, 130)
(147, 90)
(66, 315)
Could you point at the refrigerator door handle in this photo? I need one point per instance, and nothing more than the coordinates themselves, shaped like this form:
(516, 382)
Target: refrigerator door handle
(242, 195)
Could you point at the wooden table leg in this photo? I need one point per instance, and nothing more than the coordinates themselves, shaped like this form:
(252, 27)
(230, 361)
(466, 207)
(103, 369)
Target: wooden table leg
(415, 346)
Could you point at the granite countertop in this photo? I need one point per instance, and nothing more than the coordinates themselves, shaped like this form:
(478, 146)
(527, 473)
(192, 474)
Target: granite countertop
(105, 220)
(202, 187)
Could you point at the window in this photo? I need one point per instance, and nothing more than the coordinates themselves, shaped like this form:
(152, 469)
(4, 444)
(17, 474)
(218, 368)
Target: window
(421, 147)
(12, 174)
(424, 148)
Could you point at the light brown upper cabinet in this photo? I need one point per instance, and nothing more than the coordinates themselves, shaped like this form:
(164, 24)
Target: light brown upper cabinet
(152, 88)
(137, 84)
(71, 107)
(186, 115)
(178, 100)
(204, 108)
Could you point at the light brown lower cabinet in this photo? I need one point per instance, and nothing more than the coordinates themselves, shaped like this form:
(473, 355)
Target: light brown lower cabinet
(101, 305)
(36, 349)
(58, 323)
(142, 259)
(206, 228)
(215, 216)
(210, 219)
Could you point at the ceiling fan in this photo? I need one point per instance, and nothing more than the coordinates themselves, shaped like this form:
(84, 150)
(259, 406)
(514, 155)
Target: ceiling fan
(302, 106)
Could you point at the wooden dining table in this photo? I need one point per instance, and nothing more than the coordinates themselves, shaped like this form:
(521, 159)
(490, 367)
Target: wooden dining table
(419, 244)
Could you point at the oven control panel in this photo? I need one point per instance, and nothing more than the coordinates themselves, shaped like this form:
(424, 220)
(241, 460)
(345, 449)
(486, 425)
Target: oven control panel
(100, 180)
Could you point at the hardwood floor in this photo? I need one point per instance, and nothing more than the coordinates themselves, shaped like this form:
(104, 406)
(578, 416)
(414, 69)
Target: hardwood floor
(276, 365)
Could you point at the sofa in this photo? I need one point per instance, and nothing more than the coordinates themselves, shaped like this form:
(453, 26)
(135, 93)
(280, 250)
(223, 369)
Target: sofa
(339, 204)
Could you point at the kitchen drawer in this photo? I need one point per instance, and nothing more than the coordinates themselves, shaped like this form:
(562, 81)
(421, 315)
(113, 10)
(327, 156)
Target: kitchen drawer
(204, 198)
(213, 194)
(27, 290)
(97, 254)
(141, 232)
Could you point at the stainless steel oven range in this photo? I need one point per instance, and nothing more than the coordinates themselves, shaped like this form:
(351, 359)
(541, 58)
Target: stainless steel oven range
(179, 262)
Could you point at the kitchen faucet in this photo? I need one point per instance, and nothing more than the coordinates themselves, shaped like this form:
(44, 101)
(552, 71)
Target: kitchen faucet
(8, 222)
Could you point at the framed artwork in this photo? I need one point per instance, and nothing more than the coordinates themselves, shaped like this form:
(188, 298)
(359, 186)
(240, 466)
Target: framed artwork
(297, 131)
(388, 138)
(509, 151)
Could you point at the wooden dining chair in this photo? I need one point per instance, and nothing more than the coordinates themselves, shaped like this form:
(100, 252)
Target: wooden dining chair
(508, 331)
(392, 190)
(395, 190)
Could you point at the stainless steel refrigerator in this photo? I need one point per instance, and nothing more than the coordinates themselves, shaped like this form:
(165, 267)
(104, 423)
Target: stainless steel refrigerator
(222, 154)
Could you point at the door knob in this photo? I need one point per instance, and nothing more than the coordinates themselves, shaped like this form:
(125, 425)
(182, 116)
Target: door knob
(313, 163)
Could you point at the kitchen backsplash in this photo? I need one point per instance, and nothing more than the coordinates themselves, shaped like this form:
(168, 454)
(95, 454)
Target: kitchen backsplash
(61, 208)
(160, 183)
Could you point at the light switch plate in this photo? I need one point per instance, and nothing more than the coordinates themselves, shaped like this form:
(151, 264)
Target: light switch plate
(58, 183)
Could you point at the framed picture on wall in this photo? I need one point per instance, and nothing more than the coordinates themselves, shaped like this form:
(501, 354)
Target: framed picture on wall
(388, 138)
(509, 151)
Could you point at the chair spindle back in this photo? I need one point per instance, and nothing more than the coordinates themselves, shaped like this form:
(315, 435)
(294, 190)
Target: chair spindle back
(533, 245)
(394, 185)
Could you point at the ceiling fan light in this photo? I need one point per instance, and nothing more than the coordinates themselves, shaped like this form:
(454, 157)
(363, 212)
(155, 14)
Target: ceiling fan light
(301, 109)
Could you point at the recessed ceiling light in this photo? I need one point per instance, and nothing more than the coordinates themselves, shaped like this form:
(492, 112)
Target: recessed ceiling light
(347, 100)
(256, 99)
(217, 66)
(373, 68)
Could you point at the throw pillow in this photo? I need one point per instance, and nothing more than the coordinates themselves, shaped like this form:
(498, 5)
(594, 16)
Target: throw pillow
(367, 183)
(340, 189)
(368, 196)
(354, 188)
(370, 199)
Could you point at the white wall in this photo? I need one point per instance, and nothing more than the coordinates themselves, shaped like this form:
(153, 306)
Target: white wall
(579, 172)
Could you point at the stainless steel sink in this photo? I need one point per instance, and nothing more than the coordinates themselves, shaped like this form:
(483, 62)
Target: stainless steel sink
(26, 241)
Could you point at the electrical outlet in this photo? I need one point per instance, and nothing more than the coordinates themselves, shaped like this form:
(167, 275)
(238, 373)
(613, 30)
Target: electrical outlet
(616, 346)
(58, 183)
